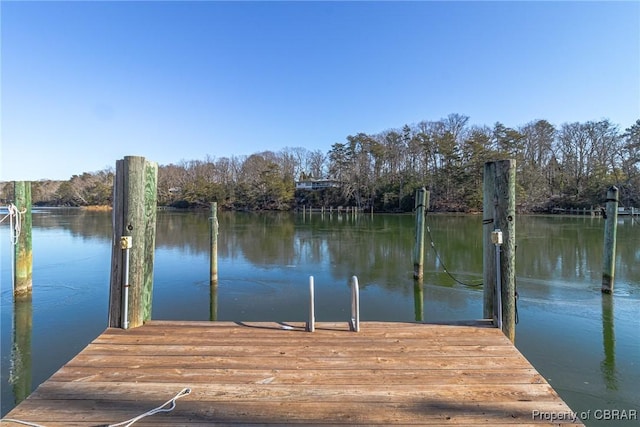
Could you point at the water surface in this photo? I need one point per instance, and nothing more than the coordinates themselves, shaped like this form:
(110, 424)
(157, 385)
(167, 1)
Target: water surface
(585, 344)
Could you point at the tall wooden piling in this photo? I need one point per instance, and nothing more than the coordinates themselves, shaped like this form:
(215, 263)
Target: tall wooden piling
(23, 254)
(133, 246)
(421, 204)
(213, 262)
(499, 214)
(610, 231)
(213, 239)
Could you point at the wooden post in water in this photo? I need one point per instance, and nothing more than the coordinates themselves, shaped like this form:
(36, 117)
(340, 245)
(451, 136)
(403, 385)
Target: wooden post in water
(610, 231)
(213, 239)
(500, 211)
(133, 246)
(23, 254)
(489, 273)
(213, 263)
(421, 204)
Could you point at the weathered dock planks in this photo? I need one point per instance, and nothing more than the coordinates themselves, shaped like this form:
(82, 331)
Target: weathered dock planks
(272, 373)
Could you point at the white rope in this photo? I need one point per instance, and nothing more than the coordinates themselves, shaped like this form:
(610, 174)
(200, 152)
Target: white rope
(15, 222)
(15, 228)
(127, 423)
(161, 408)
(24, 423)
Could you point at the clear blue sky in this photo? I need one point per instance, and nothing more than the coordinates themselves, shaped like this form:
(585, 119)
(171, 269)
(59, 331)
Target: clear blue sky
(86, 83)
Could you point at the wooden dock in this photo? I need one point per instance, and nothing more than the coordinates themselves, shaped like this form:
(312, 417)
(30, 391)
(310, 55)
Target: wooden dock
(276, 373)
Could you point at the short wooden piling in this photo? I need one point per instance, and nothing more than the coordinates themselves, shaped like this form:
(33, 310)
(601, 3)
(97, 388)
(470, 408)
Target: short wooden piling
(213, 239)
(421, 204)
(134, 229)
(610, 231)
(499, 200)
(23, 253)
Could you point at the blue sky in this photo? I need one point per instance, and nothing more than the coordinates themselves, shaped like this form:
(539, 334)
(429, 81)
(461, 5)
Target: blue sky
(87, 83)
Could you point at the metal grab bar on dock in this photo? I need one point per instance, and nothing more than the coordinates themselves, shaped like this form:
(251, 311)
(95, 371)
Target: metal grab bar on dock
(311, 324)
(354, 323)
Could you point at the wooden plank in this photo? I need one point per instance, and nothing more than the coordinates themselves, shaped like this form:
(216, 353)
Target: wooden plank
(260, 374)
(274, 393)
(358, 349)
(293, 376)
(192, 412)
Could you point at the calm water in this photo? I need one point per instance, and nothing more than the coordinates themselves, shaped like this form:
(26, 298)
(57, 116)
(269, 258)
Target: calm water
(586, 345)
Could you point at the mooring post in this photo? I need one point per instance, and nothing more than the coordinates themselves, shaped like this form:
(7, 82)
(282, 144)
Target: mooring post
(488, 254)
(213, 238)
(421, 204)
(133, 246)
(610, 231)
(499, 199)
(23, 254)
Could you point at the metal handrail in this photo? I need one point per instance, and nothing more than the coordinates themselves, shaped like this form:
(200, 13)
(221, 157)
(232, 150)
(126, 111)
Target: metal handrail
(354, 323)
(311, 324)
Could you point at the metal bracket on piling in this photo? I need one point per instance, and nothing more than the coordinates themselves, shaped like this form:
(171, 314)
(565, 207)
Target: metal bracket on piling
(311, 324)
(354, 323)
(126, 243)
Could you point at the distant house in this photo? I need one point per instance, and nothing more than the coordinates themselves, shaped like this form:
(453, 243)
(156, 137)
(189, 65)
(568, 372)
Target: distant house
(316, 184)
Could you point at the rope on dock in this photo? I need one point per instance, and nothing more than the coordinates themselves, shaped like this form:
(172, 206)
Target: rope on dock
(127, 423)
(15, 228)
(161, 408)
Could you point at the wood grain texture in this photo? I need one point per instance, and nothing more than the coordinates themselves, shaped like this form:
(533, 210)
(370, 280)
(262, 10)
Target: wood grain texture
(277, 374)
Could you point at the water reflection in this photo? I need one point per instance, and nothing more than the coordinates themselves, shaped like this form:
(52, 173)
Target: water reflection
(20, 372)
(266, 259)
(608, 365)
(213, 300)
(418, 299)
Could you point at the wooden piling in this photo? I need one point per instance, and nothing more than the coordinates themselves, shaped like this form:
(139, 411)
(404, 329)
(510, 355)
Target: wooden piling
(610, 231)
(499, 197)
(421, 204)
(134, 217)
(23, 254)
(213, 239)
(489, 273)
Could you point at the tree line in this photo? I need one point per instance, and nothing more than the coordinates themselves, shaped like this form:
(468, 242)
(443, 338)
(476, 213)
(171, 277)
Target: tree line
(569, 166)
